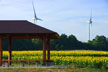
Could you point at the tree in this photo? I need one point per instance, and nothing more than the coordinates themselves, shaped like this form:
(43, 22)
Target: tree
(63, 43)
(72, 42)
(37, 43)
(100, 42)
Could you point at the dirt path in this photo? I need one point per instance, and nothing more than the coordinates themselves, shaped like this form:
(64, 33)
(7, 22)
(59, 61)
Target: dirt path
(48, 70)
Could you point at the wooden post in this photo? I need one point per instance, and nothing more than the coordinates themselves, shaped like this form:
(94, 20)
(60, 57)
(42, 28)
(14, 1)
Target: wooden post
(48, 48)
(44, 51)
(9, 55)
(1, 51)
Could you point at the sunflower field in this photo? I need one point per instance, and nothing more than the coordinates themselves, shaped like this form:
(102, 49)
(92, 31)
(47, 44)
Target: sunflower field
(80, 58)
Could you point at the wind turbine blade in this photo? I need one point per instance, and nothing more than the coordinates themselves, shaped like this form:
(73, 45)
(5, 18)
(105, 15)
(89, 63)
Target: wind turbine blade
(35, 16)
(91, 18)
(39, 19)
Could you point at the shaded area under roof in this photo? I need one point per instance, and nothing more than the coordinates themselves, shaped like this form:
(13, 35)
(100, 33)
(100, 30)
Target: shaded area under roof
(23, 27)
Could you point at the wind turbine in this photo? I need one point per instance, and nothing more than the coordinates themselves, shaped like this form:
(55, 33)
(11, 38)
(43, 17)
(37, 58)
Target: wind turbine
(35, 17)
(90, 23)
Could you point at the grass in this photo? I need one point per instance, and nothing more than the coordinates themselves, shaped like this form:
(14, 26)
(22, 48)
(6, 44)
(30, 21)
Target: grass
(34, 70)
(52, 70)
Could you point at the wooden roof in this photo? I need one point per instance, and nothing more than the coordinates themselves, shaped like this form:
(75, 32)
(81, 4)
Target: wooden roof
(23, 27)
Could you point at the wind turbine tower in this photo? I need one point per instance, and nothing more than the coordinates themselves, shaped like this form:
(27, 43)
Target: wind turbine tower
(90, 23)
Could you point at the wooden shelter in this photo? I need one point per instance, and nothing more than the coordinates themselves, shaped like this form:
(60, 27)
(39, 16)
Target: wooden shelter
(22, 29)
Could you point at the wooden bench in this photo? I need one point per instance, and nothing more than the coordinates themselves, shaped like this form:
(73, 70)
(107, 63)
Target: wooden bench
(5, 62)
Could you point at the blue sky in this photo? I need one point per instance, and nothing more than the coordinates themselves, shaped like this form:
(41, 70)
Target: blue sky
(62, 16)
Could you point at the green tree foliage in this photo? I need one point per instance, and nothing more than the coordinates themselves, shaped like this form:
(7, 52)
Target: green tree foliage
(63, 43)
(19, 44)
(37, 44)
(100, 42)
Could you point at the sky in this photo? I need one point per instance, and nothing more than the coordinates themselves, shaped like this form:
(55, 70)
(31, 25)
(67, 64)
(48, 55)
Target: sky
(62, 16)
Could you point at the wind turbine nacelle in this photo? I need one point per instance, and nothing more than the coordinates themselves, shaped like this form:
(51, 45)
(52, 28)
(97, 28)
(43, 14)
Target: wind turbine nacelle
(89, 22)
(33, 19)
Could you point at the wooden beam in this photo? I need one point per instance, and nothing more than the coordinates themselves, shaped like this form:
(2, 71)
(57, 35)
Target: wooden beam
(18, 36)
(1, 45)
(10, 52)
(22, 36)
(48, 48)
(44, 51)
